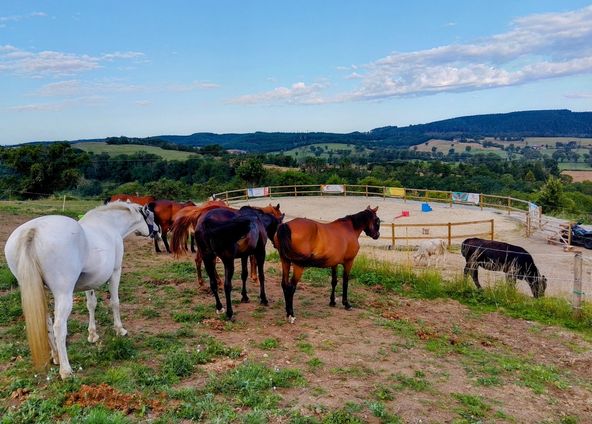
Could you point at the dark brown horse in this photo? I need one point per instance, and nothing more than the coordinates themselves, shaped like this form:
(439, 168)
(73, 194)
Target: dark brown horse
(185, 221)
(230, 234)
(164, 215)
(306, 243)
(140, 200)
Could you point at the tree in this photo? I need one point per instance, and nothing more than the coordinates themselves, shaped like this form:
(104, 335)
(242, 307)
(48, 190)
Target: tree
(251, 171)
(551, 194)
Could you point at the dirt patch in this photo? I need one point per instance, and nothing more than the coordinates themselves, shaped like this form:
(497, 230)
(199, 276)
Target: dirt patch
(579, 176)
(107, 396)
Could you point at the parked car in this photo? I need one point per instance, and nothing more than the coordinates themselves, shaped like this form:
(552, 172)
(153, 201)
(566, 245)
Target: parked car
(580, 236)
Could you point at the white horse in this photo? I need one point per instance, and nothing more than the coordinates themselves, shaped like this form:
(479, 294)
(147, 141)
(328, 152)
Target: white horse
(68, 256)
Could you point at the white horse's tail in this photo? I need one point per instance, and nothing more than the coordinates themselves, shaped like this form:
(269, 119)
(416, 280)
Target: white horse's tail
(33, 299)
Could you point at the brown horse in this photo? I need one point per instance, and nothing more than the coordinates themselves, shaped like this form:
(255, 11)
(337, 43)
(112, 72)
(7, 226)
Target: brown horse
(306, 243)
(164, 215)
(140, 200)
(185, 221)
(230, 234)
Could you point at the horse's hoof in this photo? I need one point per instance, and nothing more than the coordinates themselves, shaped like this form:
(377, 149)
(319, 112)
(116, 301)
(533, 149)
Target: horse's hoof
(120, 332)
(66, 373)
(93, 338)
(291, 319)
(347, 306)
(245, 300)
(264, 302)
(220, 311)
(332, 304)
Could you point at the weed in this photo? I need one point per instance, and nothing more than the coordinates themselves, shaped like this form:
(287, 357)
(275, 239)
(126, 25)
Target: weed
(7, 280)
(179, 363)
(269, 344)
(341, 416)
(10, 307)
(149, 313)
(315, 364)
(305, 348)
(472, 407)
(417, 383)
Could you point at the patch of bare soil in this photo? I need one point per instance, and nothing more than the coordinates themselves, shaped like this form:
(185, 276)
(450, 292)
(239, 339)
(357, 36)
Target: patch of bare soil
(107, 396)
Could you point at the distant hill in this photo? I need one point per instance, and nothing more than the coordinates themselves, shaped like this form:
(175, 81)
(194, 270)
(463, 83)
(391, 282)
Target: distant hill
(534, 123)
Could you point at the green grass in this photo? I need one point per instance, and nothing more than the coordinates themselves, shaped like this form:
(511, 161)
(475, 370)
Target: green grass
(500, 297)
(49, 206)
(269, 344)
(128, 149)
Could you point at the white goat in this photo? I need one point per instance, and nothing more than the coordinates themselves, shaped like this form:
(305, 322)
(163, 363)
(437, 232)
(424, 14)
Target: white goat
(428, 248)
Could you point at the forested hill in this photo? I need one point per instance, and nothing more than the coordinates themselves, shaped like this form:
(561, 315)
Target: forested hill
(549, 123)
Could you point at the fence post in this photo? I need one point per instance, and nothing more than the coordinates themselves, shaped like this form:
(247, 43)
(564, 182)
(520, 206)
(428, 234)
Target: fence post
(393, 236)
(540, 208)
(64, 204)
(383, 192)
(366, 190)
(492, 229)
(481, 200)
(450, 199)
(449, 235)
(527, 225)
(295, 192)
(344, 190)
(577, 288)
(509, 205)
(269, 194)
(569, 234)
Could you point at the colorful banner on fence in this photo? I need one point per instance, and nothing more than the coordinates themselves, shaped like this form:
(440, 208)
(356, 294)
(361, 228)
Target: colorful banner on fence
(332, 188)
(459, 197)
(394, 191)
(258, 192)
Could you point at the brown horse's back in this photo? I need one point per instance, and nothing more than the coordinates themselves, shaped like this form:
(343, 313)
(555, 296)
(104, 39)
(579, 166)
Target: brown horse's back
(140, 200)
(310, 243)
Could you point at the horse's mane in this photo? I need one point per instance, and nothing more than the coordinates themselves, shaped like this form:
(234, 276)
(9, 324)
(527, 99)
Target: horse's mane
(117, 205)
(359, 219)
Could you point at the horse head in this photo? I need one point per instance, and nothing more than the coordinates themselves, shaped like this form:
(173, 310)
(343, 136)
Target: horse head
(372, 227)
(538, 285)
(148, 216)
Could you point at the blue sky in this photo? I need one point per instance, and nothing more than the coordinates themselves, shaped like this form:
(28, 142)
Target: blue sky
(71, 69)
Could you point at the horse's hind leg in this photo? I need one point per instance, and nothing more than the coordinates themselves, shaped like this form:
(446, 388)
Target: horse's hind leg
(114, 291)
(165, 241)
(52, 341)
(346, 270)
(91, 305)
(228, 273)
(333, 285)
(260, 261)
(63, 308)
(289, 289)
(244, 276)
(254, 266)
(209, 262)
(473, 269)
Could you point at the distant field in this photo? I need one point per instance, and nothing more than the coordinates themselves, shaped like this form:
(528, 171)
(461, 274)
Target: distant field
(579, 176)
(327, 148)
(577, 166)
(444, 145)
(128, 149)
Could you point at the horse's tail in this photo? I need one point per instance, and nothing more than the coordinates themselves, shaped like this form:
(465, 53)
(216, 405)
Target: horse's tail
(283, 243)
(184, 222)
(107, 200)
(33, 299)
(228, 232)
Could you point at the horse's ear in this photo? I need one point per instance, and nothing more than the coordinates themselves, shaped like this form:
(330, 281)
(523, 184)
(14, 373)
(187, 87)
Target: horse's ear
(278, 207)
(373, 209)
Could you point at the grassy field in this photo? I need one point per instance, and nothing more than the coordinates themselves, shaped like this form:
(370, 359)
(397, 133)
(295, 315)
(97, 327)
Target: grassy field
(127, 149)
(327, 148)
(415, 348)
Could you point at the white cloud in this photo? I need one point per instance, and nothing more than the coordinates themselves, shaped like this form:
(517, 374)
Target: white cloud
(298, 93)
(536, 47)
(86, 101)
(17, 18)
(195, 85)
(579, 95)
(53, 63)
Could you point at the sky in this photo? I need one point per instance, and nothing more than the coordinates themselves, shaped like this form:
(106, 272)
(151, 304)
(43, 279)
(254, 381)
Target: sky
(77, 70)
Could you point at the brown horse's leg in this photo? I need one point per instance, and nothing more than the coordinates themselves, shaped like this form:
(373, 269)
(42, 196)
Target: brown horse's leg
(156, 246)
(289, 289)
(346, 269)
(198, 261)
(333, 285)
(260, 261)
(244, 275)
(210, 266)
(192, 241)
(228, 273)
(253, 260)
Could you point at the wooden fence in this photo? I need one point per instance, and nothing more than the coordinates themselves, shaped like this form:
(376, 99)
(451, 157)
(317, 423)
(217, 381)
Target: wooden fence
(448, 231)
